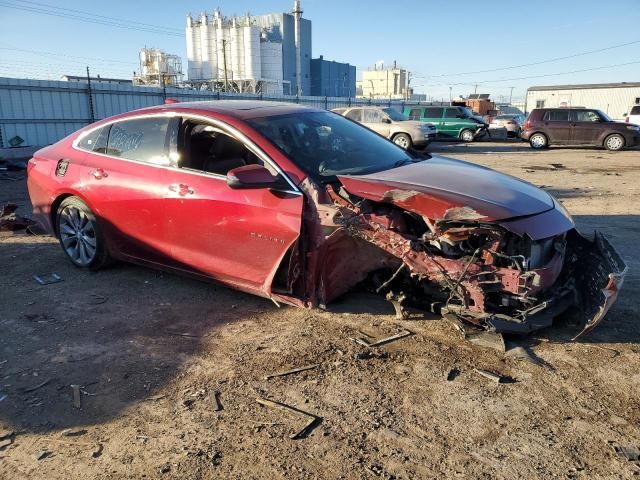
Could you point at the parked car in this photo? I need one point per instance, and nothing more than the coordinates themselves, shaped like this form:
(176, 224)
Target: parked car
(633, 116)
(577, 126)
(450, 122)
(299, 205)
(391, 124)
(512, 123)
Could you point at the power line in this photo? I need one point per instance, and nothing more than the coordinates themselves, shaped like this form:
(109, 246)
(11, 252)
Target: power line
(90, 20)
(540, 62)
(64, 55)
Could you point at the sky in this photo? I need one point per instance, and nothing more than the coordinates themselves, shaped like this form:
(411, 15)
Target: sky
(449, 46)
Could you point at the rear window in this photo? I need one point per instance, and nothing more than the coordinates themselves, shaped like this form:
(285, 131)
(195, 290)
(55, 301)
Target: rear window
(635, 110)
(95, 141)
(142, 139)
(557, 116)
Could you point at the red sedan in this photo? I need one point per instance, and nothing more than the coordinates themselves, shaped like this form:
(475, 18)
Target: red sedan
(299, 205)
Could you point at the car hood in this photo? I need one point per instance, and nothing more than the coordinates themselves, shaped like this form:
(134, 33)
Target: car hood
(446, 189)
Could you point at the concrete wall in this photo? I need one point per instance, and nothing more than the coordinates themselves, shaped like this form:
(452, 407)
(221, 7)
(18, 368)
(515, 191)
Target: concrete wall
(615, 102)
(332, 78)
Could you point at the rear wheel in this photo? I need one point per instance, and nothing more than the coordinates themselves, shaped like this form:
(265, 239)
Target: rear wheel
(538, 141)
(80, 235)
(614, 142)
(466, 136)
(402, 140)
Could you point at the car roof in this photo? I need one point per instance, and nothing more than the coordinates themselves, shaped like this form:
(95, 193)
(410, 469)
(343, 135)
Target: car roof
(240, 109)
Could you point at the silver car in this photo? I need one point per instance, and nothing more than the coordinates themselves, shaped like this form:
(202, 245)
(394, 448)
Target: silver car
(392, 124)
(512, 123)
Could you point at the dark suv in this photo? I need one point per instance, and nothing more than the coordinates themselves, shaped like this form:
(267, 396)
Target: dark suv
(577, 126)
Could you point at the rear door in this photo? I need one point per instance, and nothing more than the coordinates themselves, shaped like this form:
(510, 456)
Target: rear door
(239, 237)
(433, 115)
(453, 124)
(125, 184)
(586, 126)
(557, 126)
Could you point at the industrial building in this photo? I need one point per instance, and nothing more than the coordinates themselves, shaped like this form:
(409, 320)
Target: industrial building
(332, 79)
(615, 99)
(158, 68)
(254, 53)
(384, 83)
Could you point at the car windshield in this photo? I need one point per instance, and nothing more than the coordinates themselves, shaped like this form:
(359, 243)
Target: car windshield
(326, 145)
(467, 112)
(394, 114)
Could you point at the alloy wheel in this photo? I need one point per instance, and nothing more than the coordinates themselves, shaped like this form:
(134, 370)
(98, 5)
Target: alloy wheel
(614, 142)
(467, 136)
(401, 141)
(538, 141)
(78, 236)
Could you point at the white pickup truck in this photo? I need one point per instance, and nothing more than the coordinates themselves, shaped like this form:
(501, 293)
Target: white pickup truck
(633, 116)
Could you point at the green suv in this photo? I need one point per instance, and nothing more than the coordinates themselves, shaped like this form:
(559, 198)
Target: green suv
(450, 122)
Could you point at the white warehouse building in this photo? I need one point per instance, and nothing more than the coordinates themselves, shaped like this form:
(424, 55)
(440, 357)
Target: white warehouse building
(614, 99)
(258, 54)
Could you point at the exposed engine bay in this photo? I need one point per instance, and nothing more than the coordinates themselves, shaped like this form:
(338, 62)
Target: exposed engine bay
(482, 273)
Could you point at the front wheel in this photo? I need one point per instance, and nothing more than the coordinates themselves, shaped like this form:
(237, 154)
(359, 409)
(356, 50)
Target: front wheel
(80, 235)
(467, 136)
(538, 141)
(402, 140)
(614, 142)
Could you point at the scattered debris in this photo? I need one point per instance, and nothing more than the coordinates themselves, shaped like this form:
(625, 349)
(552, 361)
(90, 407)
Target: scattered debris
(216, 400)
(368, 355)
(154, 398)
(73, 432)
(97, 299)
(521, 353)
(384, 341)
(47, 278)
(6, 442)
(76, 395)
(188, 403)
(184, 334)
(42, 454)
(311, 424)
(2, 397)
(10, 221)
(291, 372)
(494, 376)
(36, 387)
(453, 373)
(630, 453)
(6, 434)
(97, 451)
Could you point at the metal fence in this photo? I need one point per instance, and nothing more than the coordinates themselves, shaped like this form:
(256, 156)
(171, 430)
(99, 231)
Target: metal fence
(42, 112)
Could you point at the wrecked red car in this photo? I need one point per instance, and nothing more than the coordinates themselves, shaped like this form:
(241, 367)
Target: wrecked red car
(299, 205)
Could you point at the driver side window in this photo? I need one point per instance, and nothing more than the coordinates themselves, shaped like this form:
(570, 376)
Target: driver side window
(205, 148)
(373, 116)
(586, 116)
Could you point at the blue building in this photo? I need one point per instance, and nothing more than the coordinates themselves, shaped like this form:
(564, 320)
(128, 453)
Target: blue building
(332, 79)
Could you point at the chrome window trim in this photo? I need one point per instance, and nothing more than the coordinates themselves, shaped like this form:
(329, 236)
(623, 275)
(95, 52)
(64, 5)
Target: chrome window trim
(224, 128)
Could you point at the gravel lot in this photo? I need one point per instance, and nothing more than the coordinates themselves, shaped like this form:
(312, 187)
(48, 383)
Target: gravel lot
(151, 350)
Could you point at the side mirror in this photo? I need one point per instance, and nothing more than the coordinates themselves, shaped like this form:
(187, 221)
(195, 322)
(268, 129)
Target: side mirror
(252, 176)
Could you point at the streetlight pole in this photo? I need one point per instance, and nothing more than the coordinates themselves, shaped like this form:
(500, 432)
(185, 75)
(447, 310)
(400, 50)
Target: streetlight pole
(450, 96)
(511, 95)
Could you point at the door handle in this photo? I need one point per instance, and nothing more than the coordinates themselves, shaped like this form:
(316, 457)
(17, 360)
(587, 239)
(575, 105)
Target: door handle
(181, 189)
(99, 174)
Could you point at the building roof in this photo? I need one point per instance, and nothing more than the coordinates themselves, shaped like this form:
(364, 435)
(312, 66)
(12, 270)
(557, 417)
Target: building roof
(584, 86)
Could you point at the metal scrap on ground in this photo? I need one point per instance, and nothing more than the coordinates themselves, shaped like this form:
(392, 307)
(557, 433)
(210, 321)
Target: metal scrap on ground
(292, 371)
(494, 376)
(47, 278)
(313, 419)
(383, 341)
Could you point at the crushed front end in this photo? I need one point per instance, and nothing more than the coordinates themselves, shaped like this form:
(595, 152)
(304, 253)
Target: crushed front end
(512, 276)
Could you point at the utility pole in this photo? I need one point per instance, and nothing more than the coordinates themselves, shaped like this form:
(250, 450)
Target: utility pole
(90, 95)
(511, 95)
(224, 57)
(450, 96)
(475, 89)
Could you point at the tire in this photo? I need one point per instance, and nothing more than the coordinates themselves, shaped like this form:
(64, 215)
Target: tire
(614, 142)
(402, 140)
(467, 135)
(80, 235)
(538, 141)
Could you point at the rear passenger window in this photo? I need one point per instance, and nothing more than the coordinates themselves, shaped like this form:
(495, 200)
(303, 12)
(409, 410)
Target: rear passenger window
(433, 112)
(557, 116)
(415, 113)
(95, 141)
(355, 115)
(142, 139)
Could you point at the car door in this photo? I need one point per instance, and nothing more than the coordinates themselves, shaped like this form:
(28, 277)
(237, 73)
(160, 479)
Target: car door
(124, 183)
(376, 120)
(557, 126)
(586, 126)
(235, 236)
(434, 115)
(453, 124)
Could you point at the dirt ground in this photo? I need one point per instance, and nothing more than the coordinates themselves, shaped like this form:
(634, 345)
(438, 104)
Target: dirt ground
(151, 352)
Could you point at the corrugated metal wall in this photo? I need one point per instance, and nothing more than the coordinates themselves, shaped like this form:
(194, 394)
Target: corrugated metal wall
(42, 112)
(615, 102)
